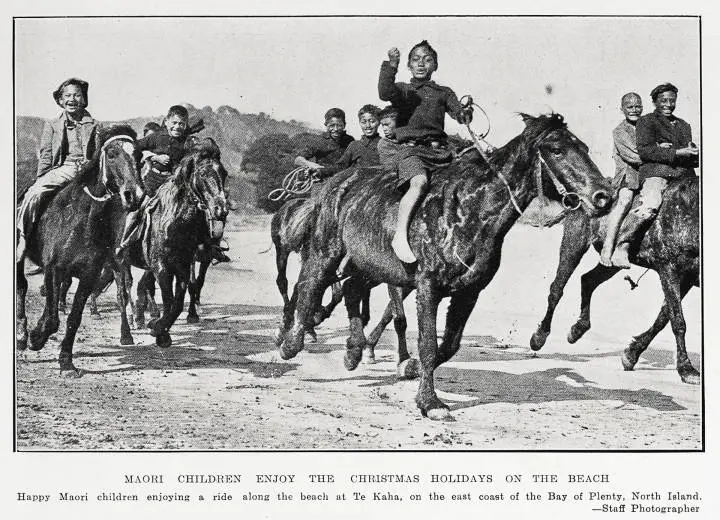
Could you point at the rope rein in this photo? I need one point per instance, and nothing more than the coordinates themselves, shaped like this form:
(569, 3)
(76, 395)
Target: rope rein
(103, 168)
(297, 182)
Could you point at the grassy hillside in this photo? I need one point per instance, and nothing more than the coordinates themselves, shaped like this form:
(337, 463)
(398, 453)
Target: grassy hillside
(234, 132)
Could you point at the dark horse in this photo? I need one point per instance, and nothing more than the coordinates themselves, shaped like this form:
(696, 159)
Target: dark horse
(456, 234)
(671, 247)
(188, 209)
(73, 237)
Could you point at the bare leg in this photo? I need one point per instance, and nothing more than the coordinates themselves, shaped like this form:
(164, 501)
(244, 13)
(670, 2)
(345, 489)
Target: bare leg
(575, 243)
(82, 293)
(588, 283)
(617, 214)
(418, 186)
(122, 300)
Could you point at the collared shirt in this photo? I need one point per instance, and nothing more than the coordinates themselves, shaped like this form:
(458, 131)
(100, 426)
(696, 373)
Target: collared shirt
(363, 152)
(421, 105)
(322, 148)
(625, 149)
(162, 143)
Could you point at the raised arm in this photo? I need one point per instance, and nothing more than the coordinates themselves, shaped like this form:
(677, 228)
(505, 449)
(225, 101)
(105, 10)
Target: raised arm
(387, 88)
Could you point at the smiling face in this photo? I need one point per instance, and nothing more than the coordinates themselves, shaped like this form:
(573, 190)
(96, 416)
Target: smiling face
(335, 127)
(631, 107)
(176, 125)
(369, 124)
(665, 103)
(422, 63)
(72, 99)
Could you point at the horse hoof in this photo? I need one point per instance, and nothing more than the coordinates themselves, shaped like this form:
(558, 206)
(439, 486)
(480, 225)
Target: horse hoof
(191, 319)
(369, 357)
(128, 340)
(312, 335)
(353, 356)
(163, 340)
(278, 337)
(440, 414)
(71, 373)
(36, 342)
(408, 369)
(577, 331)
(538, 339)
(318, 318)
(690, 376)
(627, 362)
(287, 353)
(151, 326)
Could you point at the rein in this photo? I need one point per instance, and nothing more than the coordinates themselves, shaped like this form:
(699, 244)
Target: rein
(202, 206)
(103, 169)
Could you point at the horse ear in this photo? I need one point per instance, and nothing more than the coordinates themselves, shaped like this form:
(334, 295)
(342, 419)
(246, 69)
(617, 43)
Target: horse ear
(186, 167)
(527, 118)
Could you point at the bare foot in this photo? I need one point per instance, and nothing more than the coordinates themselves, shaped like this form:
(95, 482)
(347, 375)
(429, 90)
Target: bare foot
(403, 251)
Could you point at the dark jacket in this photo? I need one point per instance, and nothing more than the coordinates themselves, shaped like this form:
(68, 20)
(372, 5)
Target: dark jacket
(363, 152)
(653, 129)
(421, 105)
(162, 143)
(321, 149)
(54, 146)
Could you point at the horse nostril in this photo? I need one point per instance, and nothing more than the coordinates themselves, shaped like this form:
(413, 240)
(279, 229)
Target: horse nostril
(128, 196)
(601, 198)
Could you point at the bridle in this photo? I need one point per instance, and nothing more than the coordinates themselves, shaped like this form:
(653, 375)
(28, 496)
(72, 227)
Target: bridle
(103, 168)
(197, 199)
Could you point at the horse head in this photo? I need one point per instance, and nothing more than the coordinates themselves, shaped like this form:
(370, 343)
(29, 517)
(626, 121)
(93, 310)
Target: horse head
(118, 165)
(203, 176)
(564, 170)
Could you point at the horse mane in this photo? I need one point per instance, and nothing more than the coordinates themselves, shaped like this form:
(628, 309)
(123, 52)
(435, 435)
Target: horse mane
(90, 169)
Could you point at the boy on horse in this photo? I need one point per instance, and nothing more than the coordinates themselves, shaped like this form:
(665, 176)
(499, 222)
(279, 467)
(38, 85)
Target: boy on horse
(67, 143)
(666, 150)
(162, 152)
(319, 152)
(421, 142)
(364, 151)
(627, 174)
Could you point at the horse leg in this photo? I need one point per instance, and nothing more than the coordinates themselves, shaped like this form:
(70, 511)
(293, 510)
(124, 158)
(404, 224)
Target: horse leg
(281, 260)
(192, 315)
(640, 343)
(672, 287)
(49, 322)
(354, 290)
(461, 306)
(588, 283)
(325, 311)
(128, 283)
(315, 276)
(427, 400)
(575, 243)
(122, 299)
(407, 367)
(199, 284)
(62, 299)
(141, 302)
(365, 309)
(85, 287)
(21, 286)
(157, 326)
(106, 278)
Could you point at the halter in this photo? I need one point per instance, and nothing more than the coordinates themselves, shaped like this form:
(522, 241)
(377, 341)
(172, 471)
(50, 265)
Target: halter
(103, 169)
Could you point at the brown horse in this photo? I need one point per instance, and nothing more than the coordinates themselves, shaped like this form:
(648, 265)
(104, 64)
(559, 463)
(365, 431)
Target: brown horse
(73, 237)
(456, 234)
(671, 247)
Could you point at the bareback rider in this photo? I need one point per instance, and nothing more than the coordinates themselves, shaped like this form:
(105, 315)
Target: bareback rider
(667, 151)
(420, 141)
(67, 143)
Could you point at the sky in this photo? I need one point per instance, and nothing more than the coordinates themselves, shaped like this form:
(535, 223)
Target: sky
(297, 68)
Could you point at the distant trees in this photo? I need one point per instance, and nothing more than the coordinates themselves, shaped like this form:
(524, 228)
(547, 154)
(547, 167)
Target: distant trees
(269, 158)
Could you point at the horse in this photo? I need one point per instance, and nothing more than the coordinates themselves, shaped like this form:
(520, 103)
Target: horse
(188, 210)
(456, 233)
(73, 235)
(670, 247)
